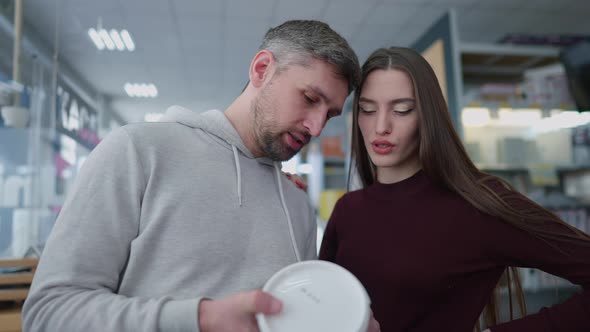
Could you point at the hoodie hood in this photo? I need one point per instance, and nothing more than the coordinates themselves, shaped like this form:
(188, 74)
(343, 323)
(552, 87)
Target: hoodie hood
(214, 122)
(217, 124)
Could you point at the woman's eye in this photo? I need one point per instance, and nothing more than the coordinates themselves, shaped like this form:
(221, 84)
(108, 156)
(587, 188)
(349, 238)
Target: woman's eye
(366, 110)
(308, 99)
(404, 111)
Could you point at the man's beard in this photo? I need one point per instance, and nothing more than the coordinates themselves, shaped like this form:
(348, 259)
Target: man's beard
(264, 125)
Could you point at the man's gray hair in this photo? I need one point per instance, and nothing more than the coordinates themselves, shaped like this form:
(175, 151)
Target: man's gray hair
(297, 41)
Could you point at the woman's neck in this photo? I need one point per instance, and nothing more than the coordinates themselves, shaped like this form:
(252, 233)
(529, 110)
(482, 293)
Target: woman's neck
(387, 175)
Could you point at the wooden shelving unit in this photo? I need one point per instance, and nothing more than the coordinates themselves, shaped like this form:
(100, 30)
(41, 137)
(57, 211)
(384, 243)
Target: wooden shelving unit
(15, 280)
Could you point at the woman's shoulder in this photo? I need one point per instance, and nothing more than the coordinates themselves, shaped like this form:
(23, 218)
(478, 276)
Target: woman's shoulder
(352, 200)
(353, 196)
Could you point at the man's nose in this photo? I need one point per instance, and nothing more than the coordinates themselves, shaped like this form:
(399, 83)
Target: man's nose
(315, 122)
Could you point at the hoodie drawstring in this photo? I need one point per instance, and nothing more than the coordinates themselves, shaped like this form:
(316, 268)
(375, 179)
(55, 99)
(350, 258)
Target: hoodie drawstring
(239, 173)
(281, 194)
(279, 180)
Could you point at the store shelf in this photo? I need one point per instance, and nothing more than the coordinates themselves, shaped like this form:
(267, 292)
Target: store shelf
(24, 263)
(502, 169)
(10, 87)
(490, 62)
(10, 320)
(16, 278)
(544, 289)
(17, 294)
(523, 169)
(334, 161)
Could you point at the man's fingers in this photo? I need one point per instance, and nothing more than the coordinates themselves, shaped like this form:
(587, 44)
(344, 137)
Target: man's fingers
(373, 324)
(261, 302)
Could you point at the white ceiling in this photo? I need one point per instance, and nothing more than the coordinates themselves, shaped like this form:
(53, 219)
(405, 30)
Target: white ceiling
(198, 52)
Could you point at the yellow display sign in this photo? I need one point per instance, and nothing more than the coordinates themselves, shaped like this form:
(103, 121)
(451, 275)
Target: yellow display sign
(328, 199)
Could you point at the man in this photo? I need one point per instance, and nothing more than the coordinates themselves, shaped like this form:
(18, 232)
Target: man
(166, 216)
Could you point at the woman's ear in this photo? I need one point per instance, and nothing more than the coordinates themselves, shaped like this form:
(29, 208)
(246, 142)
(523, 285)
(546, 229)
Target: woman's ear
(261, 68)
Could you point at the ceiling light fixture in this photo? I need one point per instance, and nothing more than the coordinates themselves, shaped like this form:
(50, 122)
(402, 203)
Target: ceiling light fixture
(152, 117)
(106, 39)
(117, 40)
(112, 39)
(127, 40)
(96, 39)
(141, 90)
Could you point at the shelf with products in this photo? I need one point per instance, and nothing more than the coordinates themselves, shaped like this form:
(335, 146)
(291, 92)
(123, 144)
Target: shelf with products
(549, 170)
(323, 165)
(495, 81)
(540, 289)
(516, 117)
(557, 290)
(557, 188)
(535, 298)
(555, 177)
(335, 161)
(534, 281)
(16, 276)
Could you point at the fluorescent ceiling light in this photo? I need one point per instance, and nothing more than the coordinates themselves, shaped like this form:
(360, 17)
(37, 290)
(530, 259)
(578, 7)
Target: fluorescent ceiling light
(152, 117)
(106, 39)
(127, 40)
(130, 89)
(117, 40)
(111, 40)
(96, 39)
(141, 90)
(152, 90)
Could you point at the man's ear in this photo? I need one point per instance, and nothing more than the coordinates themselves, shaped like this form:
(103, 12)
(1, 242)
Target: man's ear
(261, 68)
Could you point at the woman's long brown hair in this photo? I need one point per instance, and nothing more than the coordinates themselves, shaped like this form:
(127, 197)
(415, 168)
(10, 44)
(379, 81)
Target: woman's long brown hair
(446, 163)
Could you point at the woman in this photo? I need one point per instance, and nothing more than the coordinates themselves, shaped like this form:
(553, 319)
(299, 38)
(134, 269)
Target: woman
(429, 235)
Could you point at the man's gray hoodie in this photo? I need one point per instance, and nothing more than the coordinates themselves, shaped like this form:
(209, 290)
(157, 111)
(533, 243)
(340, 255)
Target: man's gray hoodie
(161, 215)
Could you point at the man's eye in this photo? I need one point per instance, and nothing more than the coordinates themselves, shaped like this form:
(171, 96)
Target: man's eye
(308, 99)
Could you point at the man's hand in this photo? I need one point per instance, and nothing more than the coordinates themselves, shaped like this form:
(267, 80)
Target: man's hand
(373, 324)
(236, 313)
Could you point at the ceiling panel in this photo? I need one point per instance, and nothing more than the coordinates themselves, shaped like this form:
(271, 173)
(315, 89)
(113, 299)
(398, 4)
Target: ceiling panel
(542, 5)
(198, 52)
(244, 29)
(138, 7)
(392, 13)
(348, 11)
(302, 9)
(197, 10)
(426, 15)
(263, 10)
(499, 4)
(452, 3)
(383, 32)
(365, 47)
(577, 6)
(201, 33)
(413, 2)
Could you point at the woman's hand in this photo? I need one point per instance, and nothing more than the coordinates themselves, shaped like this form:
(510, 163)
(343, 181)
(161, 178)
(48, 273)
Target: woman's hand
(297, 180)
